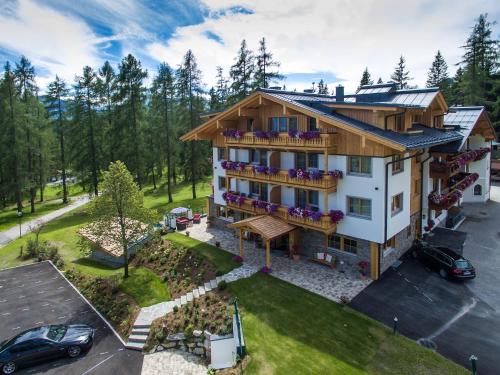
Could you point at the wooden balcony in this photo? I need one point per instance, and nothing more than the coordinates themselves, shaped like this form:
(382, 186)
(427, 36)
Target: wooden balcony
(325, 224)
(285, 142)
(325, 183)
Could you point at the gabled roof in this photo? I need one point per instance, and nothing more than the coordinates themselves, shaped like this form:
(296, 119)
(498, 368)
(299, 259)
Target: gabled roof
(463, 120)
(267, 226)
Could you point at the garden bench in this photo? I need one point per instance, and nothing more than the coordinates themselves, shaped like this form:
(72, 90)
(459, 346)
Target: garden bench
(325, 259)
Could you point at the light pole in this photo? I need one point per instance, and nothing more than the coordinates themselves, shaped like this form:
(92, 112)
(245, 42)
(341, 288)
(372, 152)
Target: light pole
(473, 360)
(395, 327)
(19, 215)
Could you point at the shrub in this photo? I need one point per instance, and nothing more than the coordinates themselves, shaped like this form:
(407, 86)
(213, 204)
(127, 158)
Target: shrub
(175, 309)
(188, 332)
(222, 285)
(219, 273)
(160, 335)
(238, 259)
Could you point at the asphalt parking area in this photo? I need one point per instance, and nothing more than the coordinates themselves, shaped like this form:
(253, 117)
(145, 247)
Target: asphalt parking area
(36, 295)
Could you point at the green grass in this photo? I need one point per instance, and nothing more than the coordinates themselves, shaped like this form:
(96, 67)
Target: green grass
(291, 331)
(145, 287)
(222, 260)
(52, 201)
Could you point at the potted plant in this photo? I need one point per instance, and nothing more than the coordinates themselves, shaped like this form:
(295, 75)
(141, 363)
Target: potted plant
(295, 253)
(363, 268)
(217, 243)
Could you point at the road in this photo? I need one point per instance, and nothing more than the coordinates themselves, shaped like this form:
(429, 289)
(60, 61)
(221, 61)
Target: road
(13, 233)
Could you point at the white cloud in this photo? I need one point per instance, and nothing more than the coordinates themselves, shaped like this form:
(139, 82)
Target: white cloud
(55, 42)
(340, 37)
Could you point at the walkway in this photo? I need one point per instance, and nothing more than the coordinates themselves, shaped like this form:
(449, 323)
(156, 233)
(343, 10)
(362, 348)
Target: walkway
(142, 325)
(316, 278)
(13, 233)
(173, 362)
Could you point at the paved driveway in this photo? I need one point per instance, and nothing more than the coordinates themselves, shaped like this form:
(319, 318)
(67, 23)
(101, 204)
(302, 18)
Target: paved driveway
(458, 319)
(37, 294)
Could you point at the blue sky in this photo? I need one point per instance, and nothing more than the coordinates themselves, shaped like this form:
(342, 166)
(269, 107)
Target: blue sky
(330, 39)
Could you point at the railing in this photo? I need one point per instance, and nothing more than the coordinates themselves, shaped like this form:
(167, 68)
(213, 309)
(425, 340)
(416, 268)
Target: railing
(282, 177)
(458, 184)
(324, 224)
(283, 140)
(445, 169)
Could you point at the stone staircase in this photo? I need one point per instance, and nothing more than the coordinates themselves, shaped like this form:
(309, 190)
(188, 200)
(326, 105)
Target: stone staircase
(142, 325)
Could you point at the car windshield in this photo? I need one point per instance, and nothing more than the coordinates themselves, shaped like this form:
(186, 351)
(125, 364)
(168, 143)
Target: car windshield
(56, 333)
(462, 264)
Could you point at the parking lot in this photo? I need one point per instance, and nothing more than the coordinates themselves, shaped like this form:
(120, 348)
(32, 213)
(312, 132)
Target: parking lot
(457, 319)
(37, 294)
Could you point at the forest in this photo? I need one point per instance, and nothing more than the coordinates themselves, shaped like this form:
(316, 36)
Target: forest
(75, 129)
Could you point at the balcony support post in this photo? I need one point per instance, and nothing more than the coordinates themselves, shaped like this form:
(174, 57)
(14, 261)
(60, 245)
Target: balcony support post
(241, 242)
(268, 253)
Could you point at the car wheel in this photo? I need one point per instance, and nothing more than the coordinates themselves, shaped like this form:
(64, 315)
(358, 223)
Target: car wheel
(74, 351)
(9, 368)
(443, 273)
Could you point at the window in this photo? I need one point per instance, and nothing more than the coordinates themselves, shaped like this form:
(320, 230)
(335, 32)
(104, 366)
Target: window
(311, 124)
(359, 165)
(250, 123)
(300, 160)
(282, 124)
(359, 207)
(301, 198)
(398, 165)
(258, 189)
(351, 246)
(292, 123)
(478, 190)
(397, 204)
(313, 200)
(435, 184)
(258, 157)
(222, 183)
(313, 161)
(399, 123)
(334, 241)
(416, 119)
(221, 153)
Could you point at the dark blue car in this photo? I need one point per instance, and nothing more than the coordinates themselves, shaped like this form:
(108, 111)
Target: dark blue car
(42, 343)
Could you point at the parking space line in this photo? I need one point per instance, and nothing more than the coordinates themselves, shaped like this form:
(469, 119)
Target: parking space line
(5, 314)
(97, 365)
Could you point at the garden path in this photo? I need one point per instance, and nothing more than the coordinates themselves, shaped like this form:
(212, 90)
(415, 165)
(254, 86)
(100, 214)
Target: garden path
(173, 362)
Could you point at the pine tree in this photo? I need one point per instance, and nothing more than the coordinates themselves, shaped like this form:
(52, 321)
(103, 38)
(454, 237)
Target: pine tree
(163, 92)
(379, 81)
(366, 78)
(401, 75)
(322, 88)
(219, 94)
(107, 85)
(189, 89)
(266, 70)
(56, 91)
(438, 75)
(131, 96)
(241, 74)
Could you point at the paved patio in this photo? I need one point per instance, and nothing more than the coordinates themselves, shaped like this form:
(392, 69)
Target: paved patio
(319, 279)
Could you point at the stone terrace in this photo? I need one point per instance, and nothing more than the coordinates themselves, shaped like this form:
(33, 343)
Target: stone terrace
(319, 279)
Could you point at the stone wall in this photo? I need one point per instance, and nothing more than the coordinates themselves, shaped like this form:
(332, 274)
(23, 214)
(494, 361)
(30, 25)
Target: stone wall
(403, 243)
(195, 344)
(217, 221)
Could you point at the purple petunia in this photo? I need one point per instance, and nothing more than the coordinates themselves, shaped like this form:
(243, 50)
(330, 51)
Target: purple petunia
(336, 216)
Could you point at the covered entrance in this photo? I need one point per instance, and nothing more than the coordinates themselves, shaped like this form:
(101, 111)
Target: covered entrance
(269, 228)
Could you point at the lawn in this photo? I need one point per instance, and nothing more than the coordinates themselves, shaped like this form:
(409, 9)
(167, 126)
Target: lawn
(222, 260)
(291, 331)
(53, 201)
(145, 287)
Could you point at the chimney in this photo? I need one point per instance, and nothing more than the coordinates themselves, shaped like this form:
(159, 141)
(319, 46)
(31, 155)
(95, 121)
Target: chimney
(339, 93)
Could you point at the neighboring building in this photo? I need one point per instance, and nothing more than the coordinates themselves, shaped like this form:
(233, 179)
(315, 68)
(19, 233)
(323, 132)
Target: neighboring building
(351, 173)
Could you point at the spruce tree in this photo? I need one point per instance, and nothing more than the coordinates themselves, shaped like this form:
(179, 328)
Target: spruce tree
(366, 78)
(379, 81)
(107, 85)
(438, 73)
(322, 87)
(401, 75)
(266, 69)
(241, 74)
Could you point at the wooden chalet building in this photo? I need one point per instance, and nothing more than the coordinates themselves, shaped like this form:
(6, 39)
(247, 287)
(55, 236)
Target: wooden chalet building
(358, 176)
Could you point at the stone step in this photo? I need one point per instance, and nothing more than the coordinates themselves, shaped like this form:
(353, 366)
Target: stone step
(218, 279)
(201, 290)
(189, 296)
(137, 338)
(177, 302)
(139, 324)
(140, 331)
(134, 345)
(196, 293)
(183, 300)
(207, 287)
(213, 284)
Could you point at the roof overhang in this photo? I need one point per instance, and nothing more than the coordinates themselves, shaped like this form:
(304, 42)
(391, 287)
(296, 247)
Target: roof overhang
(267, 226)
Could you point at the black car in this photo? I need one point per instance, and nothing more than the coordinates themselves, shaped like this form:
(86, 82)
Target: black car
(447, 262)
(42, 343)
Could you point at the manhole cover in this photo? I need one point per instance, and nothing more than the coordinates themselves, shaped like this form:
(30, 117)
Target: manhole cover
(426, 343)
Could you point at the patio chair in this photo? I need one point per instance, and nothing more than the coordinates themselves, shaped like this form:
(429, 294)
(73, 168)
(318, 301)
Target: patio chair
(196, 219)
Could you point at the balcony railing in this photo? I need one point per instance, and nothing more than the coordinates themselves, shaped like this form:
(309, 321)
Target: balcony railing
(282, 176)
(283, 140)
(324, 223)
(445, 169)
(458, 184)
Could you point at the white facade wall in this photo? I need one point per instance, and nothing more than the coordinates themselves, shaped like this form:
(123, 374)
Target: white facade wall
(398, 183)
(362, 187)
(218, 171)
(482, 168)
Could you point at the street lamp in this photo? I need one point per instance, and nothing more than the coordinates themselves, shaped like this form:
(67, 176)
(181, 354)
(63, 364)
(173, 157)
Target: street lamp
(395, 327)
(19, 215)
(473, 360)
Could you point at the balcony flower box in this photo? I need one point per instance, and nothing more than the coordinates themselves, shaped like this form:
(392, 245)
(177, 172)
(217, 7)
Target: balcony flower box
(298, 173)
(233, 198)
(241, 166)
(304, 135)
(269, 207)
(266, 135)
(315, 175)
(233, 133)
(260, 169)
(444, 201)
(336, 216)
(273, 171)
(228, 165)
(336, 174)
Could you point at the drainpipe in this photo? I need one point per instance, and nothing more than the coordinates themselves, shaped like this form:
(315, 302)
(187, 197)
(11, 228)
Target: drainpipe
(387, 188)
(422, 193)
(393, 114)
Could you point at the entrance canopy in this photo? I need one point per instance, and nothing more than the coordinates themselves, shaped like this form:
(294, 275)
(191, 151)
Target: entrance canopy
(267, 226)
